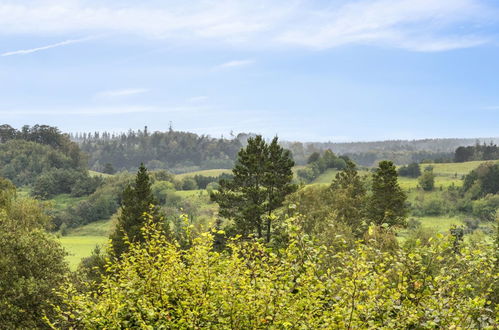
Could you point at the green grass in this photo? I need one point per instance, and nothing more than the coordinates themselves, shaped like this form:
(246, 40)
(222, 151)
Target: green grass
(95, 173)
(451, 169)
(190, 193)
(214, 173)
(440, 224)
(80, 247)
(326, 177)
(63, 201)
(97, 228)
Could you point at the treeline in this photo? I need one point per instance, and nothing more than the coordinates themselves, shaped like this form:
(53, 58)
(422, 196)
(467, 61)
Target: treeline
(173, 150)
(319, 163)
(399, 151)
(45, 159)
(476, 152)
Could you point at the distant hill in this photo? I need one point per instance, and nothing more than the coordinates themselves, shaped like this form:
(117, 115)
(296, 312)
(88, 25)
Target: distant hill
(400, 151)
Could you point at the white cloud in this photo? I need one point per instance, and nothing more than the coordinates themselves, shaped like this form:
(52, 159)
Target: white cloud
(198, 99)
(417, 25)
(102, 110)
(234, 63)
(37, 49)
(420, 25)
(121, 92)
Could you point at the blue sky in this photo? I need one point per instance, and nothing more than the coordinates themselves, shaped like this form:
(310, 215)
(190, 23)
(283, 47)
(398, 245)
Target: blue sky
(305, 70)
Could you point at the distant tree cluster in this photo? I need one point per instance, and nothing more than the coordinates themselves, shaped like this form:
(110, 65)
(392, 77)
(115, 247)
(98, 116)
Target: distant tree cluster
(46, 135)
(46, 159)
(476, 152)
(412, 170)
(173, 150)
(318, 164)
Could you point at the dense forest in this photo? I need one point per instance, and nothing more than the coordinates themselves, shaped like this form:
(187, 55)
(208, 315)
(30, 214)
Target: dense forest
(477, 152)
(184, 152)
(262, 245)
(176, 151)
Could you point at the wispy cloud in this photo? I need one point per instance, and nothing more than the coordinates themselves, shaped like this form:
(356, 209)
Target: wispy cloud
(423, 25)
(198, 99)
(121, 92)
(234, 64)
(103, 110)
(37, 49)
(416, 25)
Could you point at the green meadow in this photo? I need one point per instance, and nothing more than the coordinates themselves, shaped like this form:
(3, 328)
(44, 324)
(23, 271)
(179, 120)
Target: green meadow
(80, 242)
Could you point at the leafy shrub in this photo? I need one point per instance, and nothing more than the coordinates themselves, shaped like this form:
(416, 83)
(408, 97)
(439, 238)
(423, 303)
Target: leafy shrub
(485, 208)
(158, 285)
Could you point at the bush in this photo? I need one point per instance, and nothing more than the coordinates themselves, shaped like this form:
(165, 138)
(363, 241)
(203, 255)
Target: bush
(158, 285)
(485, 208)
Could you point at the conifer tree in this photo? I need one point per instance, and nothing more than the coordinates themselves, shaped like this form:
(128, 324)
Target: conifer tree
(348, 197)
(388, 202)
(262, 179)
(136, 201)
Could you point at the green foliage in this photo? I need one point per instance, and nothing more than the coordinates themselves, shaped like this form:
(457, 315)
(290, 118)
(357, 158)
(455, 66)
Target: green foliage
(388, 202)
(158, 285)
(482, 181)
(137, 200)
(485, 209)
(65, 181)
(22, 161)
(348, 194)
(31, 264)
(262, 179)
(100, 205)
(318, 164)
(412, 170)
(477, 152)
(427, 179)
(108, 169)
(177, 151)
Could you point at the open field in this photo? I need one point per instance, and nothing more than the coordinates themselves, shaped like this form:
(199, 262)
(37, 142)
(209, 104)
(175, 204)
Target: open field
(214, 173)
(451, 169)
(80, 247)
(326, 177)
(94, 173)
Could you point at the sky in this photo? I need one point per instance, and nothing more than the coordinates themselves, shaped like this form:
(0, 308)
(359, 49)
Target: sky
(313, 70)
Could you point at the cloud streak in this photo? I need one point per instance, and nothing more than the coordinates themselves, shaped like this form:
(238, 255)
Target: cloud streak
(103, 110)
(121, 92)
(234, 64)
(415, 25)
(37, 49)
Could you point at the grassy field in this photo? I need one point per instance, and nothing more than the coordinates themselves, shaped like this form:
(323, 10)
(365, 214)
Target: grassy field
(80, 242)
(80, 247)
(215, 172)
(453, 169)
(94, 173)
(326, 177)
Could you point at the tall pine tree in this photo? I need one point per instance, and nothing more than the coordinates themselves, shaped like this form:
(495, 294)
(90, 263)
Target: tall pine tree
(262, 179)
(388, 201)
(136, 202)
(348, 198)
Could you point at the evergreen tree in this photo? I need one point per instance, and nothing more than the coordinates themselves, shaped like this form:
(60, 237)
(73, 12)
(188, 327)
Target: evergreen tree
(137, 200)
(388, 202)
(262, 179)
(427, 179)
(348, 194)
(278, 177)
